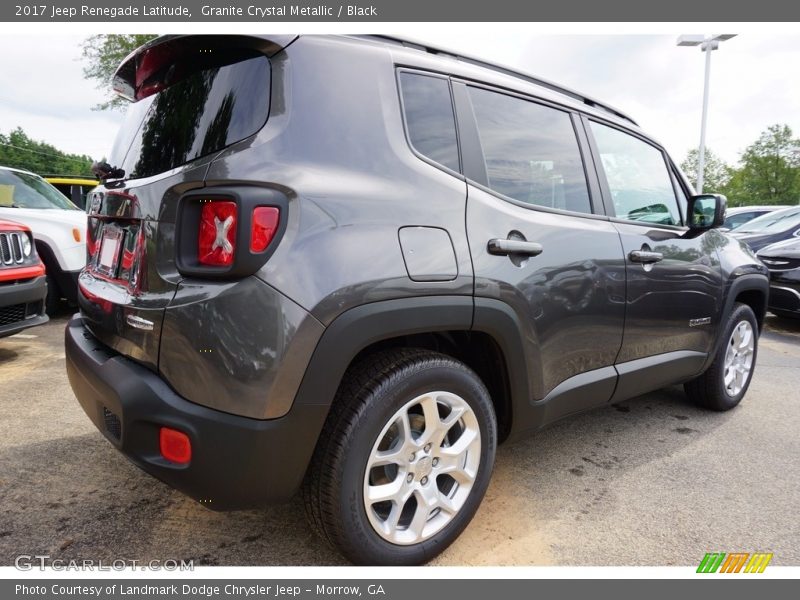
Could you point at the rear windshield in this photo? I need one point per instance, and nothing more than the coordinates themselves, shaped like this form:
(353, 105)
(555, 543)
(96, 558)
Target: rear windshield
(203, 113)
(24, 190)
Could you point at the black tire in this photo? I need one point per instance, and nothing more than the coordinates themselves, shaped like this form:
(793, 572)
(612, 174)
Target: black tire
(52, 302)
(709, 389)
(370, 395)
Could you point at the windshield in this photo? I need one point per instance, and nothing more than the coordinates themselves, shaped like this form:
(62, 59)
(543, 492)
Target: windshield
(26, 190)
(204, 112)
(780, 220)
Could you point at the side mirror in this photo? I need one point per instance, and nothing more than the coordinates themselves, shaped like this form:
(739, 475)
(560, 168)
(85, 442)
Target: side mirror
(706, 211)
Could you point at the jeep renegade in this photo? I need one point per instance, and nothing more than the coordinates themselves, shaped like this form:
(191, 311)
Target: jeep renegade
(352, 266)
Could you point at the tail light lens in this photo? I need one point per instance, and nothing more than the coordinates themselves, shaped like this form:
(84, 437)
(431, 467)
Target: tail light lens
(228, 232)
(263, 227)
(217, 235)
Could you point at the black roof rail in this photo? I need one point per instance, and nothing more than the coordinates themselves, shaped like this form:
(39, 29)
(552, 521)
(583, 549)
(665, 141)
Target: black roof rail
(589, 101)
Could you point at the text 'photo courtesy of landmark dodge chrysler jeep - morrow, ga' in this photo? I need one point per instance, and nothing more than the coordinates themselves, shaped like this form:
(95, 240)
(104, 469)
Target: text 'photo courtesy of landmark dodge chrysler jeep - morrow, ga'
(351, 266)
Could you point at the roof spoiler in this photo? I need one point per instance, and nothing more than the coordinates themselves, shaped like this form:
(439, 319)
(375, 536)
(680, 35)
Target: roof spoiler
(588, 100)
(143, 72)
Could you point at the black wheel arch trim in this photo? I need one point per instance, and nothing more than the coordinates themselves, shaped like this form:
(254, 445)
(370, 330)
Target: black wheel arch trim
(358, 328)
(362, 326)
(748, 282)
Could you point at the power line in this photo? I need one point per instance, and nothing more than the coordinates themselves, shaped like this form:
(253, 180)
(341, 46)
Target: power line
(63, 156)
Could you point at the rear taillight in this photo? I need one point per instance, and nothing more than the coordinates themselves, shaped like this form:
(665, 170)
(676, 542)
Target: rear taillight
(263, 227)
(216, 241)
(228, 232)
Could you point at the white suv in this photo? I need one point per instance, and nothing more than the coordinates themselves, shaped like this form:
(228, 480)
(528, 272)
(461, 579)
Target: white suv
(58, 226)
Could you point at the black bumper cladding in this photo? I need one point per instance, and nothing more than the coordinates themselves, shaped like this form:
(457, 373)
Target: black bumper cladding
(236, 462)
(22, 306)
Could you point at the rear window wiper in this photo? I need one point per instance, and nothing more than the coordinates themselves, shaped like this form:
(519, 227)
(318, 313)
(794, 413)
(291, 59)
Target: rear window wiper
(104, 171)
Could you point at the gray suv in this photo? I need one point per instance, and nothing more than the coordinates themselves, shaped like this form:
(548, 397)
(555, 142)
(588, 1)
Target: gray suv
(351, 266)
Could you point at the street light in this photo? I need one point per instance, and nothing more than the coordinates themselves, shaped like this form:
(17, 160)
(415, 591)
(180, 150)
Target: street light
(707, 44)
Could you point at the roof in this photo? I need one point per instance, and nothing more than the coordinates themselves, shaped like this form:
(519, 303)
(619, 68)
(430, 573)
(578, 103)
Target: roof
(17, 170)
(505, 70)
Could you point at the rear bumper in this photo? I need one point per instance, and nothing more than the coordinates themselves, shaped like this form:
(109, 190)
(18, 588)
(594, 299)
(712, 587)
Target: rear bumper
(22, 305)
(237, 462)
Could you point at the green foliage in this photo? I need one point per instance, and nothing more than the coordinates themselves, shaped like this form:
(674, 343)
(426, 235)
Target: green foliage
(715, 172)
(103, 53)
(19, 151)
(768, 171)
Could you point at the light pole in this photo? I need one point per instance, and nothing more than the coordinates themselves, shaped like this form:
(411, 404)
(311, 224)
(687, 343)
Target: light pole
(707, 44)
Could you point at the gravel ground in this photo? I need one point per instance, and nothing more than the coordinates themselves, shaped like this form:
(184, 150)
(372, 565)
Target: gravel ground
(651, 481)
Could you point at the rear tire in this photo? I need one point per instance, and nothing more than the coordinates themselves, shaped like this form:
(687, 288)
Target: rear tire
(417, 428)
(725, 382)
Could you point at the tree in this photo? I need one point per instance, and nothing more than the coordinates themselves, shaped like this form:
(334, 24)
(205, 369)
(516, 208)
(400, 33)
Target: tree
(20, 151)
(715, 172)
(103, 53)
(770, 169)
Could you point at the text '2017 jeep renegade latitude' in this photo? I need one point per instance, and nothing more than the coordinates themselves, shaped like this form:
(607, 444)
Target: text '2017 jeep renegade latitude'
(352, 265)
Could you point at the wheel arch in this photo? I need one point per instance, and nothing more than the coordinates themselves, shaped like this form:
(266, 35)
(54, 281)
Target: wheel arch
(480, 334)
(751, 289)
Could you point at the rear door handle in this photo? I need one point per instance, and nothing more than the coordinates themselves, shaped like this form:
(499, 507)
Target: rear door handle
(500, 247)
(646, 257)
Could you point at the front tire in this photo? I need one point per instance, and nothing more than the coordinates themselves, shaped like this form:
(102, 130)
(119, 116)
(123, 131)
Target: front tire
(404, 460)
(725, 382)
(52, 301)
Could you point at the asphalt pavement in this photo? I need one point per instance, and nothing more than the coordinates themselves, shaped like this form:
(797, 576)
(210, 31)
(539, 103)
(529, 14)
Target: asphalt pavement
(651, 481)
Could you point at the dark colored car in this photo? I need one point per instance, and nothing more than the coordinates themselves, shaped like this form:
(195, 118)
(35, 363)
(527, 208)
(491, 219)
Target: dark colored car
(740, 215)
(354, 266)
(770, 228)
(23, 284)
(783, 261)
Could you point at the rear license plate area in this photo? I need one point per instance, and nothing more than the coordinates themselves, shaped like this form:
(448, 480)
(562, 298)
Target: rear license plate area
(110, 245)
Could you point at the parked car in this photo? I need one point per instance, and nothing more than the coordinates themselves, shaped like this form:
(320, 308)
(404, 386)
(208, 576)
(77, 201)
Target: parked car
(74, 188)
(783, 261)
(771, 228)
(354, 266)
(23, 284)
(58, 228)
(738, 216)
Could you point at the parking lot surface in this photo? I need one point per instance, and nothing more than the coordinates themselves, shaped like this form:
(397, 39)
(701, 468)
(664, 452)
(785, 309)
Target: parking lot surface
(651, 481)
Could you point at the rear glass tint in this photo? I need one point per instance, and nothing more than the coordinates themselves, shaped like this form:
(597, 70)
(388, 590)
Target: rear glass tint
(429, 118)
(204, 112)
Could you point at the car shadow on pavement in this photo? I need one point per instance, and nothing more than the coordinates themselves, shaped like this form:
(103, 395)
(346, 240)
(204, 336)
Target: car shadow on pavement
(77, 498)
(782, 325)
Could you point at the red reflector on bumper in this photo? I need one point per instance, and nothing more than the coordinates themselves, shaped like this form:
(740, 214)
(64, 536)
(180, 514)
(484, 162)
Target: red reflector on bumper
(175, 446)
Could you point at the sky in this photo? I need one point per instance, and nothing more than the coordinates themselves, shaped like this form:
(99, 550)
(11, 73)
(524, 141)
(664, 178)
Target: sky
(753, 84)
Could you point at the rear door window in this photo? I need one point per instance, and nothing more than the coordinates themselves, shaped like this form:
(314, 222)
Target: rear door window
(531, 151)
(638, 177)
(430, 120)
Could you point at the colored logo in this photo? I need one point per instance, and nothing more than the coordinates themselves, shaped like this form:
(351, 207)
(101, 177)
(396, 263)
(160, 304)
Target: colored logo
(735, 562)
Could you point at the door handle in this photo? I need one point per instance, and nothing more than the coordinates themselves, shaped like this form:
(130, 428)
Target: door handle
(646, 257)
(500, 247)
